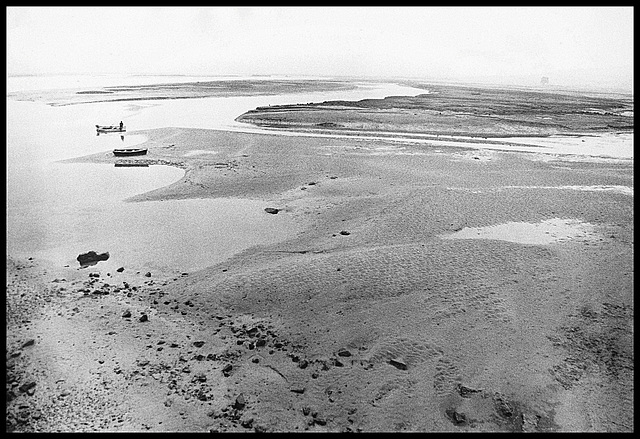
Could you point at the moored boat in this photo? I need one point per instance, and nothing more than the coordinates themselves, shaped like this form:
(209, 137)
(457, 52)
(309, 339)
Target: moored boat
(111, 128)
(129, 151)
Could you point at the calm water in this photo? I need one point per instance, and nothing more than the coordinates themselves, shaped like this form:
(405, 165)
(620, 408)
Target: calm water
(56, 211)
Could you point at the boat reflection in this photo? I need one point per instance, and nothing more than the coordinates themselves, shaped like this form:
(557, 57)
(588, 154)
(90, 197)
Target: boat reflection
(130, 165)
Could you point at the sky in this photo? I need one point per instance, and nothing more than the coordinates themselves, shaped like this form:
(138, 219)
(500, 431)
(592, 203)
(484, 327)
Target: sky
(570, 45)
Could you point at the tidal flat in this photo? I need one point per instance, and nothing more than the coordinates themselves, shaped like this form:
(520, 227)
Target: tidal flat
(378, 311)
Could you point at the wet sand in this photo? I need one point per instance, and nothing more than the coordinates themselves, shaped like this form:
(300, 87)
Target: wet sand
(369, 319)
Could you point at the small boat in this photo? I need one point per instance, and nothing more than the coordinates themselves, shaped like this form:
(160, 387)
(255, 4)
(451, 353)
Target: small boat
(129, 151)
(110, 128)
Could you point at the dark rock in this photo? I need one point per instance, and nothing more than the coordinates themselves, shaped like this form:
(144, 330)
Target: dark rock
(240, 402)
(126, 314)
(502, 406)
(297, 389)
(91, 258)
(306, 410)
(271, 210)
(455, 417)
(27, 386)
(466, 392)
(201, 377)
(344, 353)
(344, 232)
(120, 270)
(320, 421)
(259, 428)
(227, 370)
(143, 318)
(198, 344)
(399, 363)
(29, 342)
(148, 274)
(303, 364)
(260, 342)
(247, 423)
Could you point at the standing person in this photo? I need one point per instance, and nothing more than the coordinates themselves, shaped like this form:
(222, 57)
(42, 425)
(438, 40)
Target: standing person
(121, 125)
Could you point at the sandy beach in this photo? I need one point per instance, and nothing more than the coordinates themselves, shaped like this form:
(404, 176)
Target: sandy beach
(402, 303)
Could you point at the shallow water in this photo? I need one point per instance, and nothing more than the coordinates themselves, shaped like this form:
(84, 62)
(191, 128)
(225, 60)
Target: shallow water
(543, 233)
(58, 210)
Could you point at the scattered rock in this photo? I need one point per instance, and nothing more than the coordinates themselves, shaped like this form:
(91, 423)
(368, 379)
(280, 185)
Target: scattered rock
(198, 344)
(271, 210)
(399, 363)
(227, 370)
(344, 352)
(502, 405)
(344, 232)
(455, 417)
(143, 318)
(466, 392)
(201, 377)
(27, 386)
(126, 314)
(91, 258)
(240, 402)
(259, 428)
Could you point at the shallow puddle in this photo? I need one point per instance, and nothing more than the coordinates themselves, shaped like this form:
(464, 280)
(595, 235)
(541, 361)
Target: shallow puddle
(545, 232)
